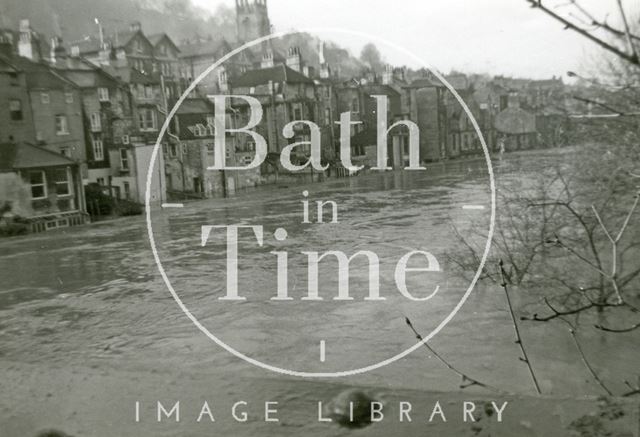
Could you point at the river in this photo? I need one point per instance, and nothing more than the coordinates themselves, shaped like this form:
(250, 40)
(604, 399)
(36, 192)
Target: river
(88, 327)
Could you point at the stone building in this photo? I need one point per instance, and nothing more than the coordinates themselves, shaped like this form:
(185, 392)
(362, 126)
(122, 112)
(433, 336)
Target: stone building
(425, 99)
(108, 114)
(41, 186)
(16, 120)
(56, 109)
(252, 20)
(286, 95)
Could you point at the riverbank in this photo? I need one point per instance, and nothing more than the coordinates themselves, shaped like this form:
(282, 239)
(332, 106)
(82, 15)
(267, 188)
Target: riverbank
(105, 405)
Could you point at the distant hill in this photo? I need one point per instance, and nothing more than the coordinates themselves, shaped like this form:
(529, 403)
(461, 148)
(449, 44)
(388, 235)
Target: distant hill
(74, 19)
(180, 19)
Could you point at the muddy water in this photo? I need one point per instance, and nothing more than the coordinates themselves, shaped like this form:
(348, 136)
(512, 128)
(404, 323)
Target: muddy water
(86, 307)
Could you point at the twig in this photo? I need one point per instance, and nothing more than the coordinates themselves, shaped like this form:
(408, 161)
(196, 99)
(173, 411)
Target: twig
(557, 313)
(613, 110)
(603, 24)
(614, 243)
(584, 359)
(577, 254)
(524, 357)
(634, 389)
(627, 32)
(466, 379)
(631, 58)
(629, 329)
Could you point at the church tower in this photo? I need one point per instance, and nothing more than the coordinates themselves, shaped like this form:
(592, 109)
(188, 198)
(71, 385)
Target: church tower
(252, 19)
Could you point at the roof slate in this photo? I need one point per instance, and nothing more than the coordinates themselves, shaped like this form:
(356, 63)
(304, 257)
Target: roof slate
(38, 74)
(279, 73)
(15, 156)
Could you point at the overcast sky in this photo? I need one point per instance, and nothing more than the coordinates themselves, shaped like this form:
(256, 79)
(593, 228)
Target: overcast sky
(484, 36)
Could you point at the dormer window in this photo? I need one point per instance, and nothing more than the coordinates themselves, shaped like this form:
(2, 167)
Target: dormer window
(103, 94)
(15, 110)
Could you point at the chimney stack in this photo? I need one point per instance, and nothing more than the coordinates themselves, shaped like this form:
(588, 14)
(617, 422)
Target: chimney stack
(58, 52)
(267, 59)
(294, 59)
(28, 45)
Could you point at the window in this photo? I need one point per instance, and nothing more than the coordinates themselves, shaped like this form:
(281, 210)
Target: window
(355, 105)
(127, 190)
(45, 98)
(173, 151)
(68, 97)
(199, 130)
(222, 77)
(252, 90)
(327, 116)
(147, 119)
(15, 109)
(98, 148)
(148, 92)
(75, 51)
(124, 159)
(38, 184)
(62, 128)
(62, 181)
(297, 112)
(138, 64)
(184, 148)
(64, 151)
(103, 94)
(100, 181)
(96, 122)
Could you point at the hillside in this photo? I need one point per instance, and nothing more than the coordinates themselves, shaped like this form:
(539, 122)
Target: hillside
(75, 19)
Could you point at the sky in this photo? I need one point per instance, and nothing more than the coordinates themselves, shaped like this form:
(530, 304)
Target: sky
(481, 36)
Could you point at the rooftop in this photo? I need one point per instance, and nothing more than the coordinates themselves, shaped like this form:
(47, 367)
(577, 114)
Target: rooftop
(278, 73)
(39, 75)
(17, 156)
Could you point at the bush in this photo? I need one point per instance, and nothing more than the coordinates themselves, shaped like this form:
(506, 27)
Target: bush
(13, 229)
(127, 208)
(98, 203)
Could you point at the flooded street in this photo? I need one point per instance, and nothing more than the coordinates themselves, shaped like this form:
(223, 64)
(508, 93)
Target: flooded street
(85, 311)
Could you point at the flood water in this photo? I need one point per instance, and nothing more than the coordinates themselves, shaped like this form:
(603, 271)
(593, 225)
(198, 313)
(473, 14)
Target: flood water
(88, 326)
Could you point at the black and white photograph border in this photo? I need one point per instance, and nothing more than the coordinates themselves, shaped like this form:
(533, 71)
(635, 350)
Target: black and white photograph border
(277, 217)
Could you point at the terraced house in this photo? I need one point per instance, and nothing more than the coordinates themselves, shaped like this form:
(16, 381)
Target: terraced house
(42, 149)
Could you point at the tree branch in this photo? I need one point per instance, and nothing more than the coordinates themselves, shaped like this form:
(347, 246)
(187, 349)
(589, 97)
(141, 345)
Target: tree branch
(467, 381)
(631, 58)
(524, 357)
